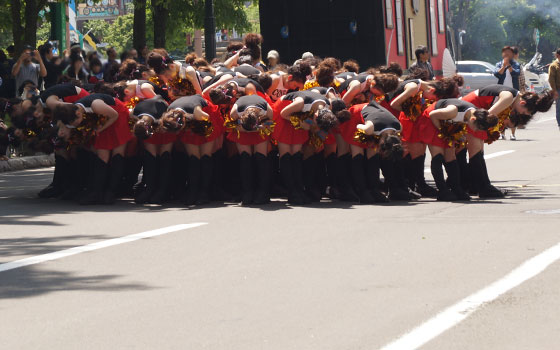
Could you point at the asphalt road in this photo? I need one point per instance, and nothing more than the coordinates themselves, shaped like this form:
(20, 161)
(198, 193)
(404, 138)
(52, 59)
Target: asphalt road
(331, 276)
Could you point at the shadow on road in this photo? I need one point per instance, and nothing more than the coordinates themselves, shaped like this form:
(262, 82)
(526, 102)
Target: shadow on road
(33, 281)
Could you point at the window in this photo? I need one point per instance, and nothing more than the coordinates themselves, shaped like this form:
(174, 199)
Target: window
(389, 13)
(441, 16)
(433, 28)
(400, 35)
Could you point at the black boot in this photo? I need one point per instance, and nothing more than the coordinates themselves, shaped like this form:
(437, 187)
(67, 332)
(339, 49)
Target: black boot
(72, 181)
(218, 175)
(359, 180)
(178, 176)
(94, 195)
(132, 167)
(149, 177)
(116, 170)
(392, 181)
(421, 186)
(205, 180)
(454, 180)
(193, 181)
(297, 171)
(246, 174)
(463, 169)
(477, 165)
(444, 193)
(409, 172)
(331, 165)
(344, 179)
(287, 174)
(57, 186)
(311, 177)
(163, 179)
(264, 177)
(372, 176)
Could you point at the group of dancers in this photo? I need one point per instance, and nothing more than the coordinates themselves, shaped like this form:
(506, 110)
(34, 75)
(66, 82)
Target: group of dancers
(230, 131)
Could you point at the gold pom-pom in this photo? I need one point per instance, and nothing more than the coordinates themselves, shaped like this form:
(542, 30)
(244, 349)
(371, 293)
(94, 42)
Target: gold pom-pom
(130, 104)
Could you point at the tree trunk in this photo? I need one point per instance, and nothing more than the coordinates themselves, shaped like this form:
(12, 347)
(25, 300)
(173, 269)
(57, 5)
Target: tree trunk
(17, 28)
(139, 26)
(160, 15)
(32, 8)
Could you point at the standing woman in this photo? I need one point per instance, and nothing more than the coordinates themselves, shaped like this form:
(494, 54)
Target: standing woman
(295, 115)
(158, 136)
(253, 116)
(203, 125)
(454, 115)
(512, 109)
(112, 133)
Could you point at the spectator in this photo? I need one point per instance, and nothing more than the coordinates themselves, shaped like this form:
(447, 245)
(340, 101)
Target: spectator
(273, 59)
(75, 71)
(522, 81)
(143, 55)
(8, 82)
(423, 60)
(111, 61)
(132, 53)
(95, 71)
(554, 81)
(508, 70)
(53, 65)
(25, 69)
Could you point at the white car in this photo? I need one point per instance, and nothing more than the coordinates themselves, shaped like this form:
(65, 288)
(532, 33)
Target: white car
(477, 74)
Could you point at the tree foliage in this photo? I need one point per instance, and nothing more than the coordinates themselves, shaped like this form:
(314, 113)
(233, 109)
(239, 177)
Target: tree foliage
(492, 24)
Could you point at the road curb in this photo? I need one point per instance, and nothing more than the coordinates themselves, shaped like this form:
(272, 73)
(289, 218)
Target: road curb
(23, 163)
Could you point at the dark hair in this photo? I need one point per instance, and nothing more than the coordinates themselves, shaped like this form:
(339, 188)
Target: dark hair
(386, 82)
(392, 68)
(25, 120)
(420, 50)
(142, 131)
(515, 50)
(127, 69)
(447, 87)
(234, 46)
(102, 87)
(538, 102)
(221, 95)
(173, 120)
(484, 120)
(338, 107)
(249, 118)
(416, 72)
(557, 51)
(119, 89)
(351, 66)
(66, 113)
(518, 119)
(159, 60)
(390, 147)
(326, 120)
(333, 62)
(95, 62)
(324, 74)
(7, 105)
(264, 80)
(24, 84)
(252, 42)
(300, 71)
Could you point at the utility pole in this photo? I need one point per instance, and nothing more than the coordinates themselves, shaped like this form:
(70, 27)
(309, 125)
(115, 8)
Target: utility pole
(210, 30)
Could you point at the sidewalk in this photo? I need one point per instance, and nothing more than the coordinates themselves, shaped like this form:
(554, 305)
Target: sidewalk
(23, 163)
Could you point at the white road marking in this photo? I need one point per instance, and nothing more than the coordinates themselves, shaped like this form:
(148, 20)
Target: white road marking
(544, 120)
(94, 246)
(488, 156)
(544, 212)
(453, 315)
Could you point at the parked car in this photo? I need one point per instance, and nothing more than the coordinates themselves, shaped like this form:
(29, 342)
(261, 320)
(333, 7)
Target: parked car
(477, 74)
